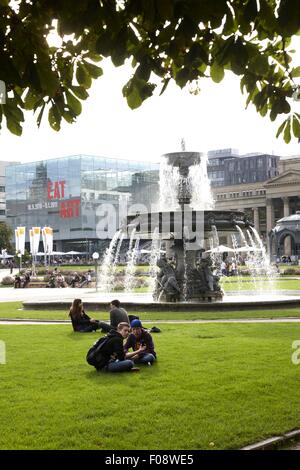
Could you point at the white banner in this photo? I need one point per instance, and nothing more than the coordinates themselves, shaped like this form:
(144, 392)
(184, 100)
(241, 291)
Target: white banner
(20, 239)
(31, 241)
(36, 232)
(47, 235)
(2, 92)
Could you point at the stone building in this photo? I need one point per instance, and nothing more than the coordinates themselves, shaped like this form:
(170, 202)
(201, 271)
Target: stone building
(268, 201)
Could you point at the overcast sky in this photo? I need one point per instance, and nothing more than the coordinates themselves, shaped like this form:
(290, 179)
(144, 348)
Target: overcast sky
(214, 119)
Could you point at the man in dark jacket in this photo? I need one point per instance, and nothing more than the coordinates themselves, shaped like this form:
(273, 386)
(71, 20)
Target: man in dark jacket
(112, 356)
(142, 344)
(117, 315)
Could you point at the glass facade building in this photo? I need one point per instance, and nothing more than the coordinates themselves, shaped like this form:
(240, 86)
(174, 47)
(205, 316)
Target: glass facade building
(83, 198)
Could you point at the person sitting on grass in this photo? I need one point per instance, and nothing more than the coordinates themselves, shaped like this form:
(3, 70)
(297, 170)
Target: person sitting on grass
(142, 344)
(117, 315)
(110, 356)
(80, 320)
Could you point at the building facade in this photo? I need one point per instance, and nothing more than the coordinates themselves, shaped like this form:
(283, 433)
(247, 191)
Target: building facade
(266, 202)
(226, 167)
(83, 198)
(3, 166)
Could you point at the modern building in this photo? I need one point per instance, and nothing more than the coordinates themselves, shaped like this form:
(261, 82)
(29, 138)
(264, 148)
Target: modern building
(226, 167)
(83, 198)
(217, 162)
(3, 166)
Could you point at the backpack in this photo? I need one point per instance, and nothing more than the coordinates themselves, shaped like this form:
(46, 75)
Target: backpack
(94, 354)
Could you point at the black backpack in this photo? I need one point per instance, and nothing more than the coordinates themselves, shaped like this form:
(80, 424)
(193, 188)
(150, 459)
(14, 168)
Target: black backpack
(94, 355)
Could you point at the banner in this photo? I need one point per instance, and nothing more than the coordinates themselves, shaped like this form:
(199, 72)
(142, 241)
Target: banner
(20, 239)
(47, 235)
(31, 241)
(36, 232)
(2, 92)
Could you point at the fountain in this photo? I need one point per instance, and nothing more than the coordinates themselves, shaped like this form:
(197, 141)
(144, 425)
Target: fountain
(183, 224)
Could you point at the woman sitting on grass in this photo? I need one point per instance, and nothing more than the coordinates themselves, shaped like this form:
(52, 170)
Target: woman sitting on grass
(80, 320)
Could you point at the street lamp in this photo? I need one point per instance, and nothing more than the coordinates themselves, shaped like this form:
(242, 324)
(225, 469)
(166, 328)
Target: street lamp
(95, 257)
(20, 259)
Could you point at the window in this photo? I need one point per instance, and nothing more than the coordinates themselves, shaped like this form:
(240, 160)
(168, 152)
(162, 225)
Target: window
(2, 189)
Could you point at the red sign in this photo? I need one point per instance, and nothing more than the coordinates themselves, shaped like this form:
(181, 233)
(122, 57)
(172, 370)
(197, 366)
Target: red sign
(68, 208)
(56, 189)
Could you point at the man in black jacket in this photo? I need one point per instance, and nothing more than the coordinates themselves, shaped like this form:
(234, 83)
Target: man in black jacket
(112, 356)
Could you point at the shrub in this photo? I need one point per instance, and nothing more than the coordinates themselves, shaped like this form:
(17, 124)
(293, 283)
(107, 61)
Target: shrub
(8, 281)
(291, 271)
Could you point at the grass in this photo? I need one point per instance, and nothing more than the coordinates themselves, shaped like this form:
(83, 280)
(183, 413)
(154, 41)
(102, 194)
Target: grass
(13, 310)
(244, 283)
(213, 387)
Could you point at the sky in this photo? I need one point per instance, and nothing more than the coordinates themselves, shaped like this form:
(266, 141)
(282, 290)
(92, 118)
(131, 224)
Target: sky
(214, 119)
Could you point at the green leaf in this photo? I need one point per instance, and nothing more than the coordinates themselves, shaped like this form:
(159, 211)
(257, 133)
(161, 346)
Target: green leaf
(93, 56)
(31, 99)
(216, 72)
(166, 82)
(82, 76)
(296, 126)
(40, 115)
(281, 128)
(69, 116)
(295, 72)
(73, 103)
(93, 70)
(54, 118)
(80, 92)
(13, 126)
(182, 77)
(134, 98)
(259, 64)
(287, 132)
(48, 79)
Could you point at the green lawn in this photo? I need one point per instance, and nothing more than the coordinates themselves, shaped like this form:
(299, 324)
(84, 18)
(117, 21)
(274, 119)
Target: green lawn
(14, 310)
(213, 387)
(243, 283)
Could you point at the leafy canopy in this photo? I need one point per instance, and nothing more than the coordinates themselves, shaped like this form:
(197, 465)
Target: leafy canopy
(181, 40)
(6, 234)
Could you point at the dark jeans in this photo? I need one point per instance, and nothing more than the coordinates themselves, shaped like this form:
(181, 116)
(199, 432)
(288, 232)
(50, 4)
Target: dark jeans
(105, 327)
(119, 366)
(89, 328)
(145, 359)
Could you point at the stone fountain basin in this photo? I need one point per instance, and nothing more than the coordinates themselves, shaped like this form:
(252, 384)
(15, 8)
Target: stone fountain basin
(170, 224)
(180, 159)
(235, 301)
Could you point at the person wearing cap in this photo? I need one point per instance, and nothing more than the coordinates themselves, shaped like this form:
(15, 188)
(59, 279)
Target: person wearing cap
(140, 338)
